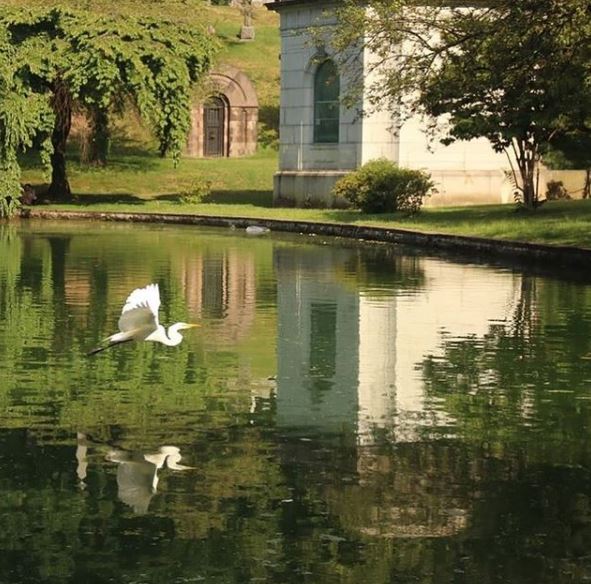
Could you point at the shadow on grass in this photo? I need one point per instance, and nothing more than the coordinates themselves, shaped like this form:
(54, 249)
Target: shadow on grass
(89, 199)
(506, 215)
(251, 197)
(124, 157)
(427, 218)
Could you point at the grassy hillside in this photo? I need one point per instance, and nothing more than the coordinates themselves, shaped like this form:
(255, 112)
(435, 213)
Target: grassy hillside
(258, 58)
(134, 167)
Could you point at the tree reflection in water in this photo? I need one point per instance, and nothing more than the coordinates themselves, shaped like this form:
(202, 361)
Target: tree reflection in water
(353, 414)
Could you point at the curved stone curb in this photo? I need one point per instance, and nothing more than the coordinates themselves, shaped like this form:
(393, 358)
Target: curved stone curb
(562, 255)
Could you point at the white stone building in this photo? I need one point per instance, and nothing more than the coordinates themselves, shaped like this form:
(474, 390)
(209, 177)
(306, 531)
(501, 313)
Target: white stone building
(321, 140)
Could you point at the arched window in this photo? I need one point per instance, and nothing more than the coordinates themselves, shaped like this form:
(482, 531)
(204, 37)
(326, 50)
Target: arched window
(326, 103)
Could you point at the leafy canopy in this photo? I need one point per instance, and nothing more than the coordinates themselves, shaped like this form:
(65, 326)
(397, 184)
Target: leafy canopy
(56, 56)
(516, 73)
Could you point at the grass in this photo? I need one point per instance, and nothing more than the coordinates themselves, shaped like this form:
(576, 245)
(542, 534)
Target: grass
(132, 175)
(136, 181)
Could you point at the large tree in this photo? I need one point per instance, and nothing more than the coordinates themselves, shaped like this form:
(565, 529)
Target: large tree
(516, 73)
(65, 55)
(22, 115)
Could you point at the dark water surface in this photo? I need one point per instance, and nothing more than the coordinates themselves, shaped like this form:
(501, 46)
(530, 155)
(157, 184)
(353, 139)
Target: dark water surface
(346, 414)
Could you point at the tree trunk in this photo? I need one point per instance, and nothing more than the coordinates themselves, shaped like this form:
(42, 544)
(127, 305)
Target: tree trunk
(62, 325)
(100, 137)
(587, 187)
(59, 189)
(527, 162)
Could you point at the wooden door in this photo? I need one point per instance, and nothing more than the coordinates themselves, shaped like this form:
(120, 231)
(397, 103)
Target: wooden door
(214, 127)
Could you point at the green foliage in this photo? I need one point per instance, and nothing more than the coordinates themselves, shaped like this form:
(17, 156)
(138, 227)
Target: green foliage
(380, 186)
(572, 150)
(555, 191)
(22, 116)
(516, 79)
(268, 137)
(100, 61)
(199, 191)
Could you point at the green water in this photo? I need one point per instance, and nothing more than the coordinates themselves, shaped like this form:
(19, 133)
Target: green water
(345, 414)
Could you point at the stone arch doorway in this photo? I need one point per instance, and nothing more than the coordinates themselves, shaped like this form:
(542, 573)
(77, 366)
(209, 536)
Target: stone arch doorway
(226, 123)
(214, 127)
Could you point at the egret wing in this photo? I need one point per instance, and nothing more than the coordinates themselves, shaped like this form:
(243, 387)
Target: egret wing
(141, 309)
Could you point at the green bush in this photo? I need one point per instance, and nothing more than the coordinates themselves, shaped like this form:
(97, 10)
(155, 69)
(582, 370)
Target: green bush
(199, 191)
(555, 191)
(380, 186)
(268, 137)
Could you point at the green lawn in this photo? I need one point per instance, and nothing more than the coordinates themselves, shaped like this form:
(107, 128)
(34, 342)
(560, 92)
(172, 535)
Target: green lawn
(136, 181)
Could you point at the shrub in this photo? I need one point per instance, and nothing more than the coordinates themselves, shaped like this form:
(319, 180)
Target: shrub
(199, 191)
(268, 137)
(380, 186)
(555, 191)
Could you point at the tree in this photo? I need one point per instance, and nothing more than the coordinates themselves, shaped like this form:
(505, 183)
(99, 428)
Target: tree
(22, 115)
(69, 56)
(513, 72)
(518, 80)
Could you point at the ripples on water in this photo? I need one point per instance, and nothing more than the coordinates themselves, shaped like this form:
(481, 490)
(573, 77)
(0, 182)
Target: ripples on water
(346, 413)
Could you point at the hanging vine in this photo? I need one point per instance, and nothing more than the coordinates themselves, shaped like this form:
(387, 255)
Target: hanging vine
(53, 57)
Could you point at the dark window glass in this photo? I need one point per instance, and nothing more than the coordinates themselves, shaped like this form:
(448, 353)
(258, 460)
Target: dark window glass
(326, 103)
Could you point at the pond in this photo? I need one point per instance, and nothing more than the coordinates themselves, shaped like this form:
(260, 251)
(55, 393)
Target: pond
(346, 413)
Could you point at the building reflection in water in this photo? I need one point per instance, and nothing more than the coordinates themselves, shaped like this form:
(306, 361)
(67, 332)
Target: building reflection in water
(216, 284)
(349, 364)
(350, 358)
(221, 286)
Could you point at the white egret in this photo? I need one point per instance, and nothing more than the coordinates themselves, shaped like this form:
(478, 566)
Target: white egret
(139, 321)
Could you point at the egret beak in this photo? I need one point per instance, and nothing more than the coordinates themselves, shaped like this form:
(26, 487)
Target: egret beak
(191, 325)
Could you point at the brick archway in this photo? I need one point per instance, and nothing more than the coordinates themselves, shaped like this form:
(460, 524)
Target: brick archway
(236, 115)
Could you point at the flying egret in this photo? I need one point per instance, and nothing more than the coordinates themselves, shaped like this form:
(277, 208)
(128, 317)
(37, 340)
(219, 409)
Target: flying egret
(139, 321)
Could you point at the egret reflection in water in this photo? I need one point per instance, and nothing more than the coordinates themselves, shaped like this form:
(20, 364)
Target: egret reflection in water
(139, 321)
(137, 474)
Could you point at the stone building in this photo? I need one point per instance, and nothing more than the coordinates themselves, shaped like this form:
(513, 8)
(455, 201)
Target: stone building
(321, 140)
(226, 124)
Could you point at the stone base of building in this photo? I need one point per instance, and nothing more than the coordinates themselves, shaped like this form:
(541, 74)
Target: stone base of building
(476, 187)
(470, 187)
(306, 188)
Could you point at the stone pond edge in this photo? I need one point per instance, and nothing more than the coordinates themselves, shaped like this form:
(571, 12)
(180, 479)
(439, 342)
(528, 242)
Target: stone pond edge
(567, 256)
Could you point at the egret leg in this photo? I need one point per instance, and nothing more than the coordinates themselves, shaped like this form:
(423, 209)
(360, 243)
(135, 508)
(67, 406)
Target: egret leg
(111, 344)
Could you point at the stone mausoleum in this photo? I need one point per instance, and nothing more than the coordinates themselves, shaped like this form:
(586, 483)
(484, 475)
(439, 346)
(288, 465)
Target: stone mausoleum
(321, 140)
(225, 125)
